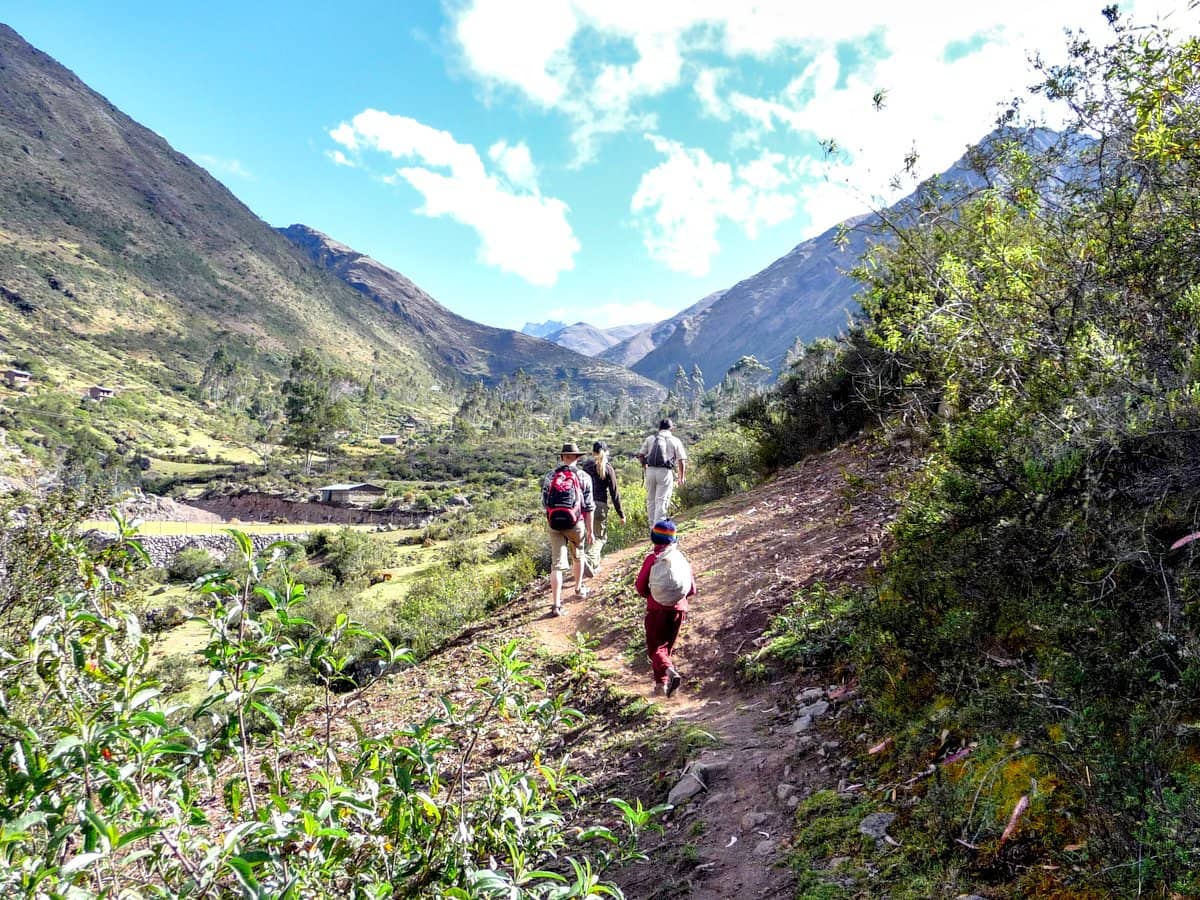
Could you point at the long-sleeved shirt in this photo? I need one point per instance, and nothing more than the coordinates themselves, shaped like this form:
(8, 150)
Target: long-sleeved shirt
(606, 487)
(642, 585)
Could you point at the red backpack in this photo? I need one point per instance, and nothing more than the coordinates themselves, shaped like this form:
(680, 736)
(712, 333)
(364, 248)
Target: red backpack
(564, 499)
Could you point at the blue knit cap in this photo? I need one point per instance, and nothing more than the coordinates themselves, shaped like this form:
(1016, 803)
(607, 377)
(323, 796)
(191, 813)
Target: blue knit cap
(663, 532)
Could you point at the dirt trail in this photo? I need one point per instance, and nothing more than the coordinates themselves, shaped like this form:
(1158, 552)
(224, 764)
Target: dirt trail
(819, 522)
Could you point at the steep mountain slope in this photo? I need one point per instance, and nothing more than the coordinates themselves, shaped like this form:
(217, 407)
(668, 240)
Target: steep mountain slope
(590, 340)
(805, 294)
(467, 347)
(635, 347)
(123, 263)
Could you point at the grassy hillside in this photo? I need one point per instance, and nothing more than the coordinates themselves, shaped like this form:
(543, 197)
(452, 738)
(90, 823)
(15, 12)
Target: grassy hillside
(124, 264)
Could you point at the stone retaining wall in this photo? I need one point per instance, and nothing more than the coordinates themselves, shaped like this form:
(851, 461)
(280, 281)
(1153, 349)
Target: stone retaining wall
(255, 507)
(162, 548)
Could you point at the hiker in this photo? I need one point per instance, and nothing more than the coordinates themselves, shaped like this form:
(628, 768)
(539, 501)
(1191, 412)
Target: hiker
(567, 499)
(604, 485)
(661, 454)
(666, 581)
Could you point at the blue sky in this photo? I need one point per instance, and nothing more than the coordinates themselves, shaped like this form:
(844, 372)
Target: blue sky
(611, 161)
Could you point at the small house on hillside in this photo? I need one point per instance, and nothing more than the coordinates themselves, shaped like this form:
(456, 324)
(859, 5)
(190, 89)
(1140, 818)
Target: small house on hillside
(98, 392)
(351, 494)
(17, 379)
(389, 439)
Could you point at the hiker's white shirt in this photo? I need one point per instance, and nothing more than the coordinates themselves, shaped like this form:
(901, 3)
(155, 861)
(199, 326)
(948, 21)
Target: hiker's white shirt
(675, 450)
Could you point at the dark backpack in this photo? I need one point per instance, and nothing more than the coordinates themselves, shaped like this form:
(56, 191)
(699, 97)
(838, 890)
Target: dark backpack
(564, 499)
(657, 456)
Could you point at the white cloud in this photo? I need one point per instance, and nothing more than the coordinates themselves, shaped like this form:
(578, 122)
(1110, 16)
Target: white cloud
(340, 159)
(780, 77)
(603, 63)
(223, 167)
(520, 230)
(516, 162)
(681, 203)
(706, 85)
(520, 43)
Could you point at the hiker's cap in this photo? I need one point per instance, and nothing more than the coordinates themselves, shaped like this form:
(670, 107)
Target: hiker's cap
(599, 447)
(663, 532)
(570, 450)
(665, 425)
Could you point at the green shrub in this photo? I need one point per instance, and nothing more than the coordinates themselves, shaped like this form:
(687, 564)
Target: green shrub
(724, 462)
(88, 716)
(351, 556)
(439, 604)
(464, 554)
(830, 394)
(817, 628)
(528, 541)
(191, 563)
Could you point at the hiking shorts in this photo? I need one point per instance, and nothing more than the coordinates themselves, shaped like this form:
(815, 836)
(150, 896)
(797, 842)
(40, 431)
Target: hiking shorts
(560, 557)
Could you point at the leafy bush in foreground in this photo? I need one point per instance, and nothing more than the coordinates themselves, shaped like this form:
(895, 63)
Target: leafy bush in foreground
(107, 792)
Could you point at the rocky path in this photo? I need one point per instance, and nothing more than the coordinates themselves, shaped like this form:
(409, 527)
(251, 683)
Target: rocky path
(822, 521)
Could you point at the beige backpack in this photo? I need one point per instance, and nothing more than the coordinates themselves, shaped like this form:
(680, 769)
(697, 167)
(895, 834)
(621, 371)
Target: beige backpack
(670, 577)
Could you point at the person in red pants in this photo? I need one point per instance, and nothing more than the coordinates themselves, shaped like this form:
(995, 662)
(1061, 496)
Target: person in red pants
(666, 581)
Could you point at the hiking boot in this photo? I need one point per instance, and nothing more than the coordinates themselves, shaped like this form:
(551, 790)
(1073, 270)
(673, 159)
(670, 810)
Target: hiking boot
(582, 592)
(557, 610)
(659, 689)
(673, 679)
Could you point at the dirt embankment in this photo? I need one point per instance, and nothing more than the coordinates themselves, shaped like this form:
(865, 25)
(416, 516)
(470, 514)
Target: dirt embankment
(151, 508)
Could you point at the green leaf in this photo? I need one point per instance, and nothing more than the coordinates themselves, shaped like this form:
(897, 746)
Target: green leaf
(80, 862)
(431, 809)
(598, 831)
(23, 824)
(245, 874)
(268, 712)
(542, 875)
(67, 743)
(142, 696)
(137, 834)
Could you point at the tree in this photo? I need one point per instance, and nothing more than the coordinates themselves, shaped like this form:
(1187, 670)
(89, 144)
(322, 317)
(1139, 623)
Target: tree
(315, 405)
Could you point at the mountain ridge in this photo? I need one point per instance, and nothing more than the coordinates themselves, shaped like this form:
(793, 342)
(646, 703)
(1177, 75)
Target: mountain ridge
(123, 262)
(468, 347)
(591, 340)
